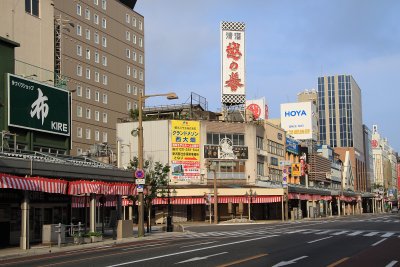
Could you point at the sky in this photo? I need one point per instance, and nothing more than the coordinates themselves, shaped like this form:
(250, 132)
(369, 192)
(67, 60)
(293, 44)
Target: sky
(289, 44)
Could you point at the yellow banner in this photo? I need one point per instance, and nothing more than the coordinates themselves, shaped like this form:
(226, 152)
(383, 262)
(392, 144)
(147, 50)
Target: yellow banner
(296, 169)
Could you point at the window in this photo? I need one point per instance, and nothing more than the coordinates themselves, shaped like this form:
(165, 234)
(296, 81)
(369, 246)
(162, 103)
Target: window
(134, 73)
(88, 113)
(87, 73)
(105, 79)
(141, 75)
(96, 19)
(96, 76)
(140, 25)
(79, 111)
(274, 161)
(105, 138)
(134, 38)
(87, 133)
(87, 14)
(104, 4)
(79, 132)
(79, 30)
(96, 57)
(105, 117)
(96, 37)
(134, 22)
(127, 18)
(104, 41)
(97, 96)
(104, 60)
(105, 99)
(79, 70)
(104, 23)
(128, 35)
(260, 168)
(96, 2)
(259, 142)
(140, 59)
(78, 9)
(87, 34)
(135, 106)
(128, 70)
(128, 53)
(79, 90)
(88, 93)
(96, 135)
(97, 115)
(79, 50)
(140, 42)
(134, 90)
(128, 88)
(88, 53)
(134, 56)
(79, 151)
(129, 105)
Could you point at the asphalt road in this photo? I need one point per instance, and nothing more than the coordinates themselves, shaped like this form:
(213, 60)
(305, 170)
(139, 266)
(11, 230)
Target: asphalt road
(368, 240)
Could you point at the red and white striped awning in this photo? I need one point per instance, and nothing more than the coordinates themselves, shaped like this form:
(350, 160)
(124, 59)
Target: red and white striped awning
(347, 199)
(111, 201)
(221, 199)
(178, 201)
(101, 188)
(53, 186)
(267, 199)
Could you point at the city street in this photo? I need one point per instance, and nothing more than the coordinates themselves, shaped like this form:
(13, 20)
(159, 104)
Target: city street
(366, 240)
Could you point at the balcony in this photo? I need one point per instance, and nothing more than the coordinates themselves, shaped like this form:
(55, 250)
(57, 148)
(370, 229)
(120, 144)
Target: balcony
(262, 152)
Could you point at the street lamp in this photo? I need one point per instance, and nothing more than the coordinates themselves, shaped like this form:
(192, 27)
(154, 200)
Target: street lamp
(141, 98)
(170, 226)
(213, 168)
(250, 198)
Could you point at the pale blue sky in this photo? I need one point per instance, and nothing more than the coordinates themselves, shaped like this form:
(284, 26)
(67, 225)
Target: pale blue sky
(288, 45)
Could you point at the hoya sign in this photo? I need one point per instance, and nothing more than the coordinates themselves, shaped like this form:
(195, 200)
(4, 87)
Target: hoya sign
(294, 113)
(36, 106)
(299, 120)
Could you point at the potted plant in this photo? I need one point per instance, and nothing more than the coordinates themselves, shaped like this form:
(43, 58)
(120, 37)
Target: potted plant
(87, 238)
(96, 236)
(78, 238)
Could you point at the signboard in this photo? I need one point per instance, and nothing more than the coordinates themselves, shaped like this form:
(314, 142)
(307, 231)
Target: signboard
(233, 152)
(284, 177)
(37, 106)
(139, 173)
(185, 140)
(140, 181)
(299, 120)
(233, 83)
(257, 108)
(292, 146)
(140, 188)
(296, 169)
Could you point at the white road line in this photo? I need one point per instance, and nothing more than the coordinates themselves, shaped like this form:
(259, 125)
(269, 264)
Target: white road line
(193, 250)
(371, 234)
(145, 246)
(319, 239)
(296, 231)
(198, 244)
(340, 233)
(380, 241)
(388, 235)
(355, 233)
(391, 264)
(324, 232)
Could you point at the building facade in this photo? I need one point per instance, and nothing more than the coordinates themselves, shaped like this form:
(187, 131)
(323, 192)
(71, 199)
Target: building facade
(101, 59)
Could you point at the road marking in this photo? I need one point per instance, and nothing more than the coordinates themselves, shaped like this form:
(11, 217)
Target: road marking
(319, 239)
(201, 258)
(324, 232)
(296, 231)
(380, 241)
(243, 260)
(371, 234)
(392, 263)
(388, 235)
(340, 233)
(338, 262)
(204, 243)
(193, 250)
(283, 263)
(355, 233)
(145, 246)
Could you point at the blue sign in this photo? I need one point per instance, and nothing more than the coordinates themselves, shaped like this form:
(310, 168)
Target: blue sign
(139, 173)
(292, 146)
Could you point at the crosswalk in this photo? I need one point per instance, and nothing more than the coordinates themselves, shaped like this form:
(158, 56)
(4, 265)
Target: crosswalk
(268, 231)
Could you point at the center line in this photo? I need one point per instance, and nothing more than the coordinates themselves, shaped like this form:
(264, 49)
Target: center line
(380, 241)
(392, 263)
(319, 239)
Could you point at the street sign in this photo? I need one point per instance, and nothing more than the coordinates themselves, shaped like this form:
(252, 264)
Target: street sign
(139, 188)
(139, 173)
(140, 181)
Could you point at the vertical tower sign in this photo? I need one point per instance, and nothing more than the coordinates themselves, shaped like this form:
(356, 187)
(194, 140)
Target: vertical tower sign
(233, 83)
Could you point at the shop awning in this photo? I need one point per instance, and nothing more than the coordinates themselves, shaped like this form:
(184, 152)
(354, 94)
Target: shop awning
(111, 201)
(178, 200)
(53, 186)
(100, 188)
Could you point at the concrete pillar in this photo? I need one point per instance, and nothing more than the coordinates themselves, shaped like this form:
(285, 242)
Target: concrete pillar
(373, 205)
(339, 206)
(353, 208)
(130, 212)
(24, 238)
(308, 209)
(92, 227)
(330, 208)
(300, 210)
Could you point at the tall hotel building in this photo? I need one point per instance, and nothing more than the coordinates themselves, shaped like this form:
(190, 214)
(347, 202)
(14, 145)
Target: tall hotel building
(340, 122)
(99, 53)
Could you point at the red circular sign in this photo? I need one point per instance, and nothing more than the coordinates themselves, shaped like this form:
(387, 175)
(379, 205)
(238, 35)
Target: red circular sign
(255, 109)
(374, 143)
(139, 173)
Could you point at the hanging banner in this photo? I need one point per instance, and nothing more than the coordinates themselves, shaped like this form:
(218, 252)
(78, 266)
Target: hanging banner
(185, 140)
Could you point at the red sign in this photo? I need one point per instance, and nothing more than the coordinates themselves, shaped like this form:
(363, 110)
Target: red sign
(374, 143)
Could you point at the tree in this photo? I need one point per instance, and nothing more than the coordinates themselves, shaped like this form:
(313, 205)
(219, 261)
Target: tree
(156, 176)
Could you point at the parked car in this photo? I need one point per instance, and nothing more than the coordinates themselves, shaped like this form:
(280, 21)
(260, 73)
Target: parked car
(395, 210)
